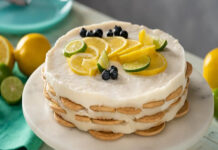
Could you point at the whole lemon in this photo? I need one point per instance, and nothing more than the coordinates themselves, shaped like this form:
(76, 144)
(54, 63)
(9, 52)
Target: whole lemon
(31, 51)
(210, 68)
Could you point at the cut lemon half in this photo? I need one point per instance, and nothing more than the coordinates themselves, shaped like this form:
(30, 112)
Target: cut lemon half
(75, 63)
(99, 43)
(6, 52)
(132, 56)
(145, 38)
(103, 62)
(75, 46)
(116, 44)
(137, 65)
(131, 46)
(157, 65)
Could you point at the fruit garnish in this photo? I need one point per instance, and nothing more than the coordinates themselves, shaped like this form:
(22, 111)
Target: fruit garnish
(103, 62)
(105, 75)
(83, 32)
(138, 65)
(98, 33)
(4, 72)
(132, 45)
(160, 44)
(110, 33)
(117, 30)
(124, 34)
(94, 51)
(210, 68)
(91, 65)
(75, 46)
(6, 52)
(31, 51)
(99, 43)
(113, 72)
(158, 64)
(134, 55)
(215, 96)
(116, 44)
(145, 38)
(11, 89)
(75, 63)
(90, 33)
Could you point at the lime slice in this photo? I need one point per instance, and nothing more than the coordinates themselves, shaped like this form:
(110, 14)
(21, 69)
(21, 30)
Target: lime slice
(4, 72)
(103, 61)
(74, 47)
(137, 65)
(11, 89)
(160, 44)
(215, 95)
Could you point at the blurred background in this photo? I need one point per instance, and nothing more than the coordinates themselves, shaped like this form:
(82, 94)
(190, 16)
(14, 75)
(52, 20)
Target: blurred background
(193, 22)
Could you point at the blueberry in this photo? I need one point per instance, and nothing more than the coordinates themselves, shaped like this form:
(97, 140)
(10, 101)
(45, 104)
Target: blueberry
(105, 75)
(113, 68)
(83, 32)
(90, 33)
(124, 34)
(113, 72)
(116, 33)
(118, 28)
(98, 33)
(110, 33)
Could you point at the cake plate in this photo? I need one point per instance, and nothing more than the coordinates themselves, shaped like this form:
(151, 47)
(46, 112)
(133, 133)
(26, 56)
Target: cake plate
(179, 134)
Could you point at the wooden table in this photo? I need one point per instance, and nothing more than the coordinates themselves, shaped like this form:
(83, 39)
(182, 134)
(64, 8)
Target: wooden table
(82, 15)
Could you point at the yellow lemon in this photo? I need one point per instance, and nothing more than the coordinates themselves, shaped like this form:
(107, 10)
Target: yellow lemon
(6, 52)
(210, 68)
(145, 38)
(30, 52)
(131, 46)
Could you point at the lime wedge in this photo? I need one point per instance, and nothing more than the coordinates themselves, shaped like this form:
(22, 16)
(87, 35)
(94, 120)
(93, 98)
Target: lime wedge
(11, 89)
(4, 72)
(215, 95)
(74, 47)
(103, 61)
(160, 44)
(137, 65)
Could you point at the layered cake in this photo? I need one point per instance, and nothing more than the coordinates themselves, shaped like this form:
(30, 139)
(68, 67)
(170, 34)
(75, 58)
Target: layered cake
(116, 78)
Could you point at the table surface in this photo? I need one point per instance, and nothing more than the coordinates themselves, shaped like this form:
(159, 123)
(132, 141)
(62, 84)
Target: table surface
(82, 15)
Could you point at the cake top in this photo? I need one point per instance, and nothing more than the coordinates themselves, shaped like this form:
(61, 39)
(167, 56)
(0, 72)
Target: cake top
(74, 65)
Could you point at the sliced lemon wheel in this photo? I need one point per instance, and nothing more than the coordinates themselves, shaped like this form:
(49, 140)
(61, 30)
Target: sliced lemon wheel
(145, 38)
(99, 43)
(131, 46)
(94, 51)
(116, 44)
(6, 52)
(157, 65)
(75, 63)
(90, 65)
(75, 46)
(145, 50)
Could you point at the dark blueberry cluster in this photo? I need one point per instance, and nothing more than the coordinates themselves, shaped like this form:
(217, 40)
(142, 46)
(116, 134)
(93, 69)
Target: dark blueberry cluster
(117, 31)
(112, 73)
(96, 33)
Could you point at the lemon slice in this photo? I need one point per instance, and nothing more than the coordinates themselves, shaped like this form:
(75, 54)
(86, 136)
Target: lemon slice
(158, 64)
(94, 51)
(145, 50)
(145, 38)
(116, 44)
(90, 65)
(131, 46)
(99, 43)
(75, 63)
(6, 52)
(137, 65)
(75, 46)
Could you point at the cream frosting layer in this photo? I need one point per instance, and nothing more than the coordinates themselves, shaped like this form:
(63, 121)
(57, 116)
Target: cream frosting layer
(128, 90)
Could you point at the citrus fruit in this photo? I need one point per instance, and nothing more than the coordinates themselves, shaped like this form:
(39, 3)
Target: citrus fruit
(215, 95)
(6, 52)
(160, 44)
(75, 46)
(137, 65)
(131, 46)
(116, 44)
(30, 52)
(210, 68)
(4, 72)
(158, 64)
(103, 62)
(11, 89)
(145, 38)
(134, 55)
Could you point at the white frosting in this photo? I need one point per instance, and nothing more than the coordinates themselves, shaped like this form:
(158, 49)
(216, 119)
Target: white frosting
(128, 90)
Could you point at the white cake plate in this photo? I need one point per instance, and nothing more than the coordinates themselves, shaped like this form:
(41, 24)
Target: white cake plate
(179, 134)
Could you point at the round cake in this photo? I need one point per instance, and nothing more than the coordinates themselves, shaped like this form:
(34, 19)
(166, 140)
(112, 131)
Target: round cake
(136, 96)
